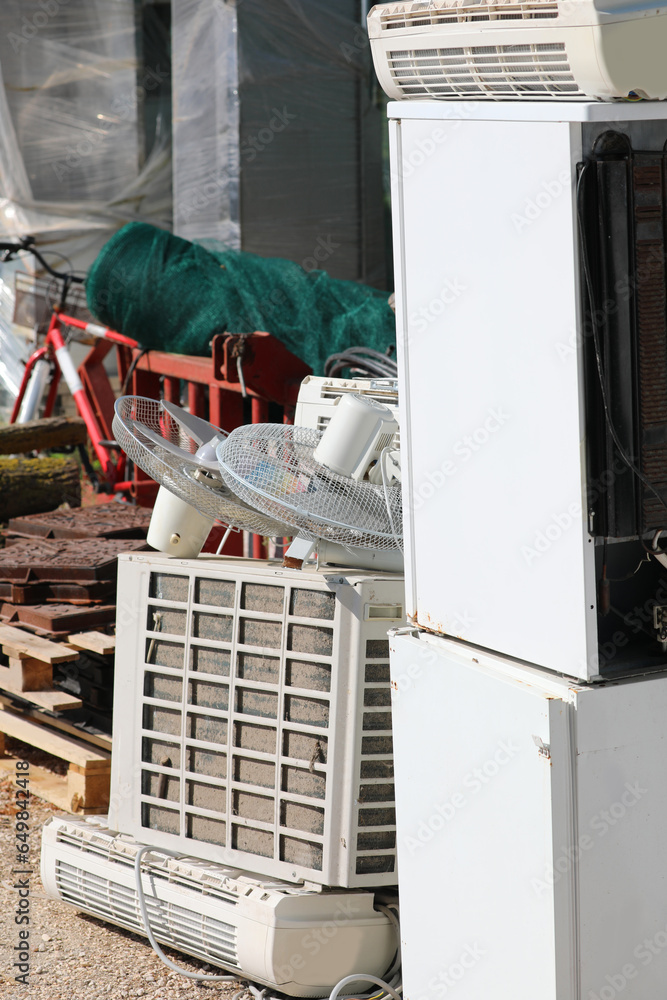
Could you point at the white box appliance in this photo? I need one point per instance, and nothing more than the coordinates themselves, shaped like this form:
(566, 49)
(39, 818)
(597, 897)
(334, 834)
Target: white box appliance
(519, 49)
(253, 712)
(262, 929)
(318, 395)
(507, 477)
(531, 814)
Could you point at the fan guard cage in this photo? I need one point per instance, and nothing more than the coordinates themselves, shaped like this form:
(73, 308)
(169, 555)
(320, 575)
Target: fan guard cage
(175, 473)
(271, 467)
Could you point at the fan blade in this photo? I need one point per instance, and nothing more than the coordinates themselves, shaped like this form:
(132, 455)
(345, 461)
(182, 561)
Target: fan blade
(174, 449)
(199, 430)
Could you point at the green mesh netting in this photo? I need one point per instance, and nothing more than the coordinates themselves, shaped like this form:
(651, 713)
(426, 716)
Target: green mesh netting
(173, 295)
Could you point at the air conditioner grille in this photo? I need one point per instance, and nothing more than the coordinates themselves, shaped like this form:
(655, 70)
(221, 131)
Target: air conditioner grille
(407, 16)
(171, 924)
(489, 71)
(247, 703)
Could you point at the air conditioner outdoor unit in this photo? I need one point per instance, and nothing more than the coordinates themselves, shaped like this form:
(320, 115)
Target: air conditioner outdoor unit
(256, 720)
(241, 922)
(520, 49)
(318, 395)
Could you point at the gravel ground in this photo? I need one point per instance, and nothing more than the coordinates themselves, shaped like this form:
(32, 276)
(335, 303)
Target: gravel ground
(73, 956)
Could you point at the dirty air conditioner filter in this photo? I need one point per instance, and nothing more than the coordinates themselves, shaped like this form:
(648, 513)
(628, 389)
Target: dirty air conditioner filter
(257, 716)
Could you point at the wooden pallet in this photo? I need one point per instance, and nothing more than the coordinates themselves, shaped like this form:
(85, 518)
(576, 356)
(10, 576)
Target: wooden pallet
(30, 670)
(59, 723)
(85, 787)
(93, 642)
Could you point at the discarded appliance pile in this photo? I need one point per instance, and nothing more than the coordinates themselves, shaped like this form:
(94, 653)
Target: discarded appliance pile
(252, 778)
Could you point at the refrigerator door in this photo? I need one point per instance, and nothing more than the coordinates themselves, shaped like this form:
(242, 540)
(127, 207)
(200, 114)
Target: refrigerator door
(483, 793)
(497, 547)
(530, 828)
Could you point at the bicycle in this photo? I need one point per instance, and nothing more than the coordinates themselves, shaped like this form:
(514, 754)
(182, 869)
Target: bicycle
(52, 360)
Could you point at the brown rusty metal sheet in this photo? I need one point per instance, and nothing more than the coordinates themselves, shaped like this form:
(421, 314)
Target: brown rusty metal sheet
(54, 561)
(110, 520)
(58, 617)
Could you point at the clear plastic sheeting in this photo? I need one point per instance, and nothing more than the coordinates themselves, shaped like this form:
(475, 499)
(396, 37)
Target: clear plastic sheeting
(14, 350)
(206, 121)
(277, 133)
(76, 158)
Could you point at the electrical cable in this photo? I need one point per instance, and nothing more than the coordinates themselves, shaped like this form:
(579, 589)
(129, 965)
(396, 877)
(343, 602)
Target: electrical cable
(396, 964)
(387, 988)
(130, 371)
(363, 361)
(141, 899)
(398, 538)
(645, 560)
(596, 343)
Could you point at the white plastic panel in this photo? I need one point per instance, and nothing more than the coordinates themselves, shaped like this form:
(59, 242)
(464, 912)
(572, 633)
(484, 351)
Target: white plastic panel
(533, 832)
(497, 548)
(474, 826)
(562, 111)
(622, 810)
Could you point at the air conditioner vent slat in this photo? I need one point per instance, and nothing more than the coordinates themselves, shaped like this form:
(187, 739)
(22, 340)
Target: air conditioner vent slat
(171, 923)
(397, 16)
(486, 71)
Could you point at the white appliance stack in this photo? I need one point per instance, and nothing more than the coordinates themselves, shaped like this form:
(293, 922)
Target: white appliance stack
(530, 696)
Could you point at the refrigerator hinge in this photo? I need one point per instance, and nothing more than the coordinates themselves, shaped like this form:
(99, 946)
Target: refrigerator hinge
(542, 748)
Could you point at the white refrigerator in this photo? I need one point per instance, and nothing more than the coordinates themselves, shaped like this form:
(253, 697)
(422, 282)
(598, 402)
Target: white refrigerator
(491, 345)
(530, 751)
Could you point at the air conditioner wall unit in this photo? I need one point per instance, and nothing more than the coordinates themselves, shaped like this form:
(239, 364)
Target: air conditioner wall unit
(520, 50)
(256, 716)
(233, 919)
(318, 396)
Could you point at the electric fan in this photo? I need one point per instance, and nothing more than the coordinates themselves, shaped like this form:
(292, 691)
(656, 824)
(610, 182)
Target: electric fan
(178, 450)
(342, 485)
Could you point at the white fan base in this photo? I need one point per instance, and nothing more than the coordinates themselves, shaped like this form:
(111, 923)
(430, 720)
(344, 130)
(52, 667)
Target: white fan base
(176, 528)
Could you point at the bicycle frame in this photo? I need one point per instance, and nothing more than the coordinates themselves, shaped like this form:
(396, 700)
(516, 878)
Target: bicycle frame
(55, 350)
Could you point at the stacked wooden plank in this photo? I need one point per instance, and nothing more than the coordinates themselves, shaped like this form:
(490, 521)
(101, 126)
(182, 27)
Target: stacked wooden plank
(57, 610)
(31, 711)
